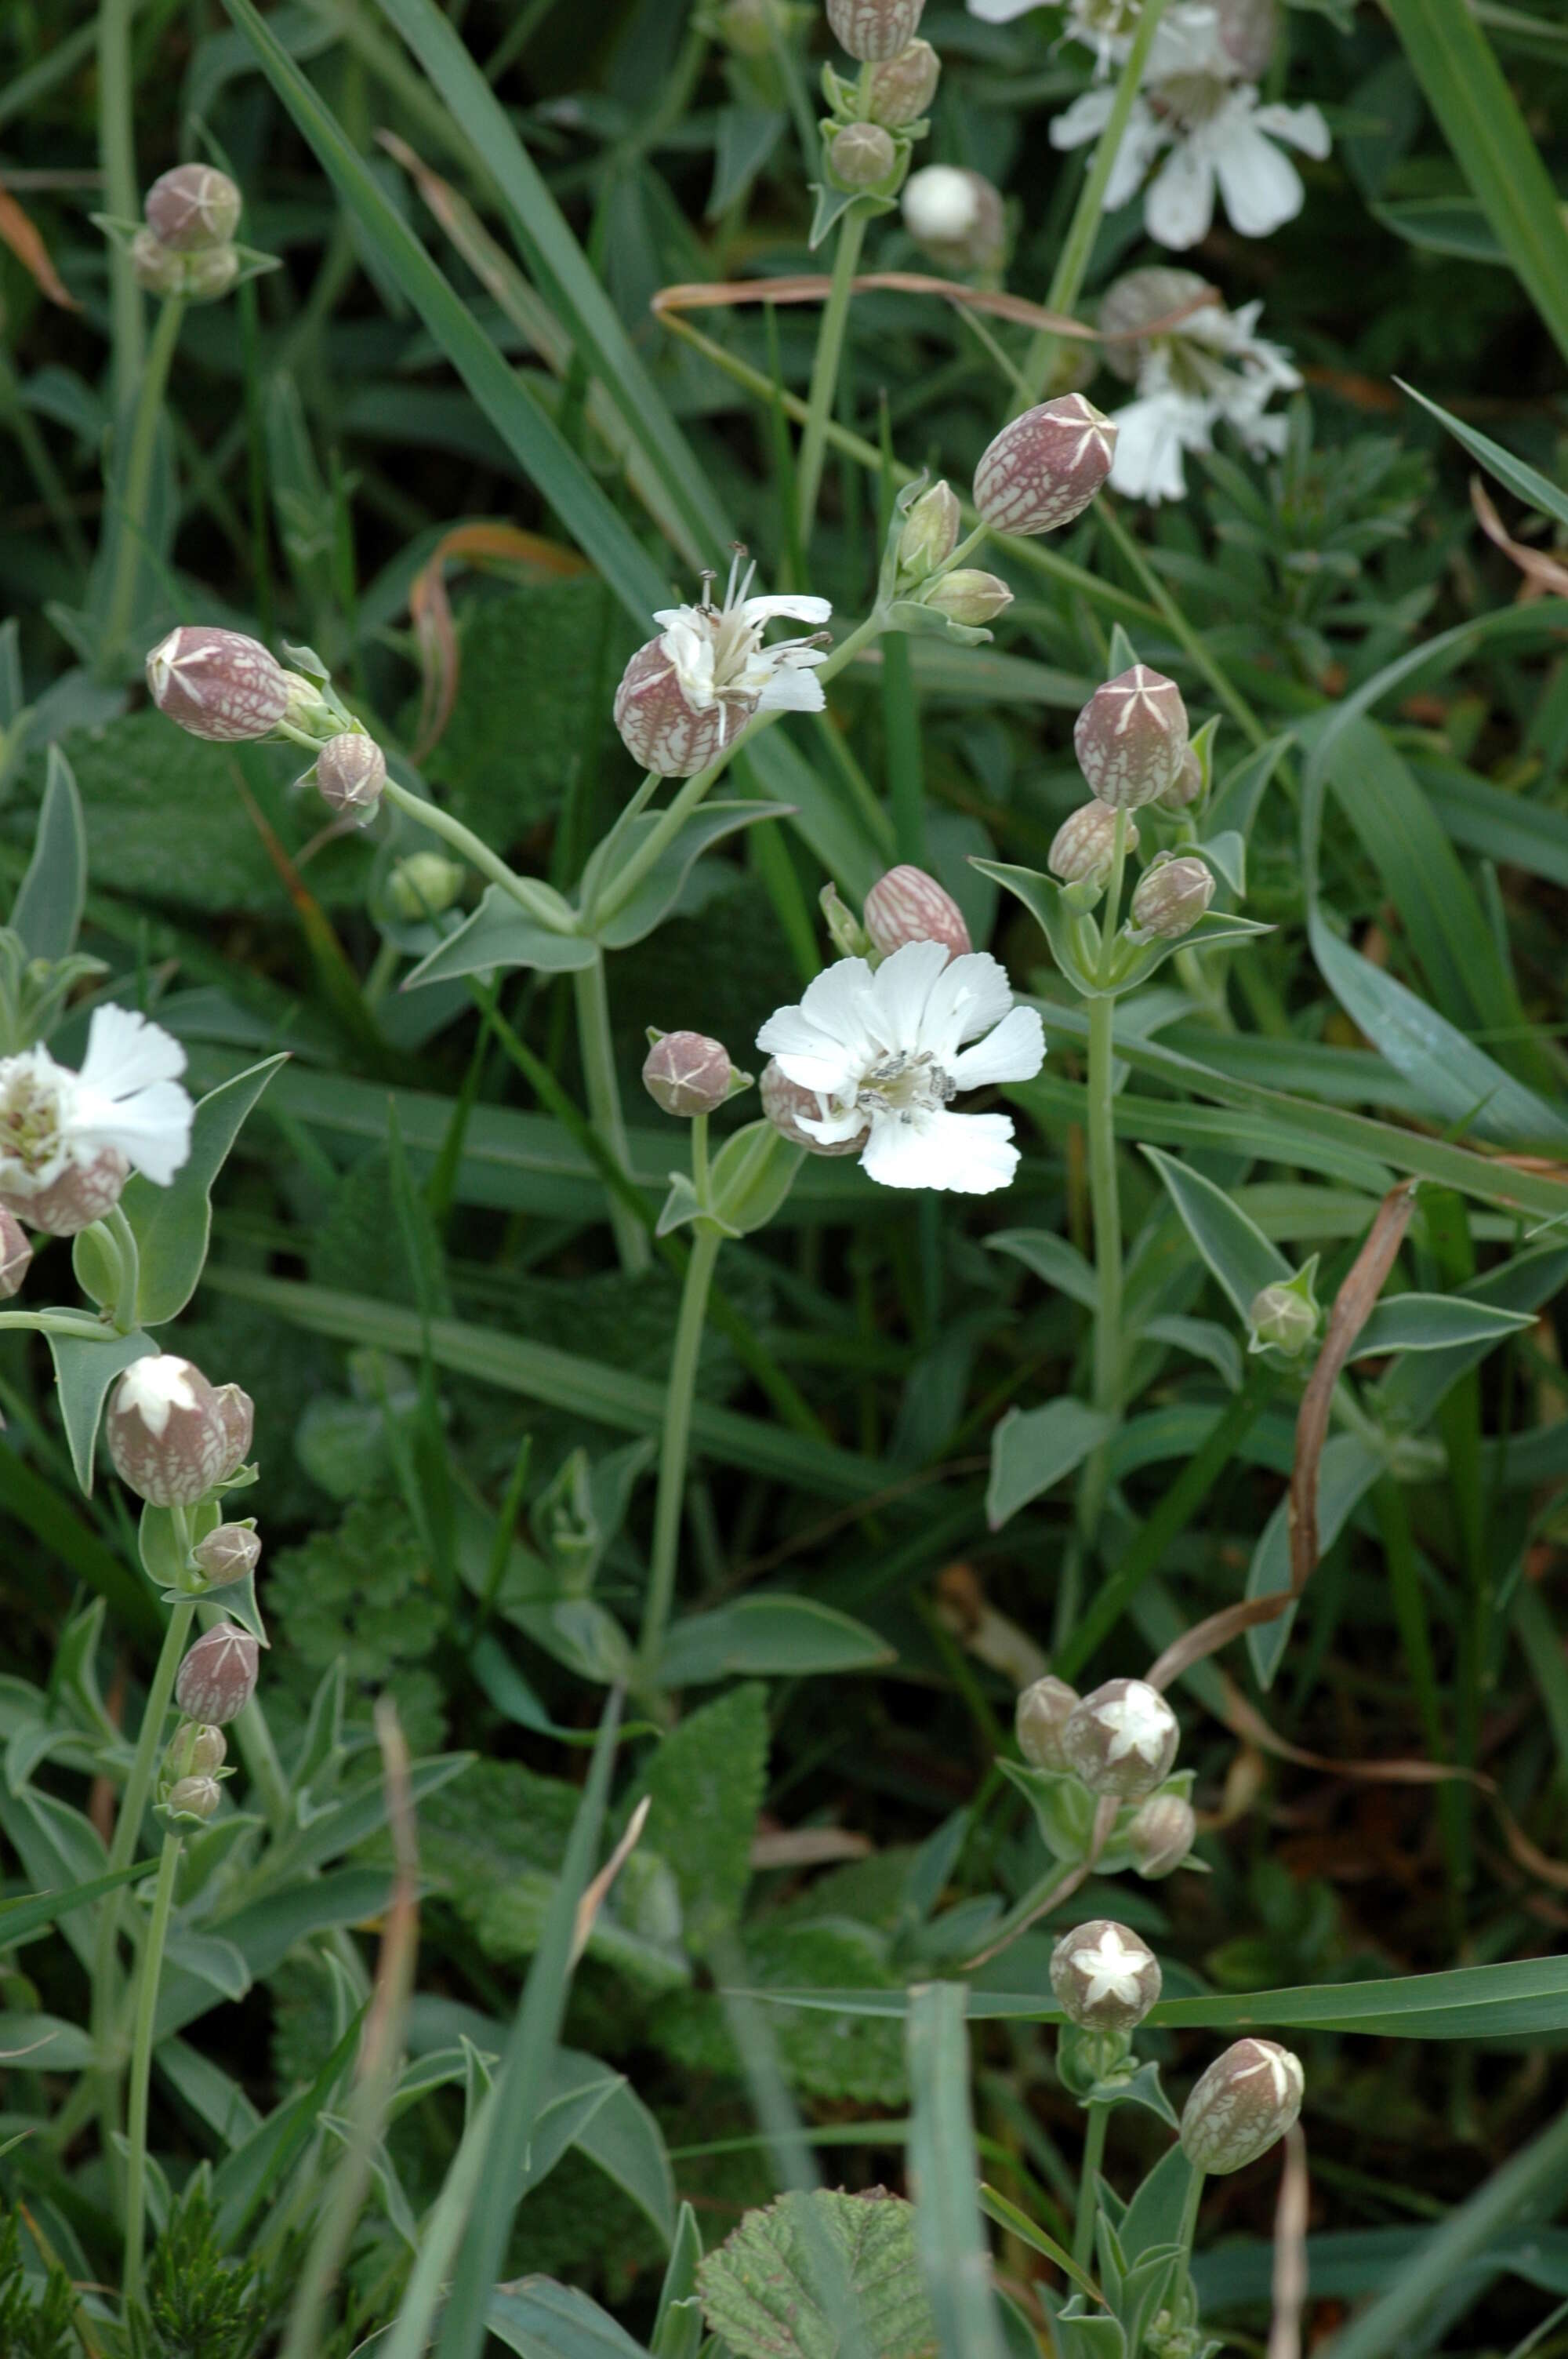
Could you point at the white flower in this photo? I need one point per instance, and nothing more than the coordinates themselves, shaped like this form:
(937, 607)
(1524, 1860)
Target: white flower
(1112, 1970)
(1138, 1721)
(1106, 27)
(887, 1047)
(941, 201)
(126, 1101)
(1212, 369)
(718, 659)
(1219, 136)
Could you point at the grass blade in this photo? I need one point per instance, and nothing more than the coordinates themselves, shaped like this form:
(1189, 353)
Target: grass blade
(943, 2168)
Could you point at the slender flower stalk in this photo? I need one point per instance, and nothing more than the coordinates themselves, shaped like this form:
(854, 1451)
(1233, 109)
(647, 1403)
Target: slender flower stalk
(124, 1239)
(1104, 1195)
(535, 899)
(117, 153)
(134, 485)
(1088, 2173)
(676, 1440)
(592, 998)
(825, 369)
(149, 1972)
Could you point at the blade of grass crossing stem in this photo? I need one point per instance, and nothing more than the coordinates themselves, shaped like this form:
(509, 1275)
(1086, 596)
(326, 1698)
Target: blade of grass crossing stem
(1465, 88)
(533, 438)
(952, 2245)
(520, 2086)
(555, 260)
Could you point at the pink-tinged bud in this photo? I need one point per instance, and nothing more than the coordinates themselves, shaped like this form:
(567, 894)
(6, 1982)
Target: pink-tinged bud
(350, 771)
(1186, 788)
(193, 1798)
(15, 1252)
(1121, 1739)
(1248, 2098)
(1104, 1977)
(238, 1413)
(217, 684)
(686, 1073)
(903, 87)
(168, 1434)
(956, 216)
(968, 595)
(930, 531)
(862, 154)
(907, 906)
(660, 729)
(1248, 33)
(783, 1101)
(157, 268)
(191, 208)
(229, 1553)
(1171, 897)
(82, 1194)
(1042, 1714)
(207, 276)
(1044, 469)
(1083, 849)
(1138, 301)
(1160, 1835)
(872, 30)
(196, 1750)
(1130, 736)
(217, 1676)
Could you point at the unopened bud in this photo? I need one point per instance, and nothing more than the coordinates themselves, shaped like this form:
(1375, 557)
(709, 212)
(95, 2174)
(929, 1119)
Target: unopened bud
(238, 1413)
(662, 732)
(1248, 33)
(1045, 468)
(191, 208)
(875, 30)
(229, 1553)
(156, 268)
(1121, 1739)
(170, 1433)
(908, 906)
(784, 1101)
(1130, 736)
(207, 276)
(1139, 300)
(747, 28)
(957, 216)
(930, 531)
(217, 684)
(1285, 1315)
(1248, 2098)
(217, 1676)
(350, 771)
(1160, 1835)
(196, 1750)
(686, 1073)
(1042, 1714)
(1186, 788)
(82, 1194)
(1171, 897)
(903, 87)
(968, 595)
(193, 1798)
(15, 1252)
(1083, 849)
(424, 885)
(1105, 1978)
(862, 154)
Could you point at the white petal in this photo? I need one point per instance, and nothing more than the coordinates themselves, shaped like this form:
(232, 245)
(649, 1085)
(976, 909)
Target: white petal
(151, 1129)
(837, 1000)
(1084, 120)
(966, 1154)
(1298, 126)
(799, 610)
(126, 1052)
(1014, 1052)
(792, 689)
(1001, 12)
(1178, 208)
(1187, 40)
(670, 615)
(966, 999)
(1144, 137)
(1262, 187)
(900, 990)
(1151, 437)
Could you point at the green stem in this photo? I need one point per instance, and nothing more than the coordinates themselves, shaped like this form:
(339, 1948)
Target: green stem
(1189, 2227)
(592, 1002)
(967, 547)
(54, 1323)
(538, 900)
(673, 1448)
(1104, 1199)
(117, 153)
(142, 2067)
(1073, 262)
(124, 1238)
(1083, 2219)
(133, 488)
(824, 369)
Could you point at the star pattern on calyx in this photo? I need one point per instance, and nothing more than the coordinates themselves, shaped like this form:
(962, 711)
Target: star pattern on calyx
(1138, 1722)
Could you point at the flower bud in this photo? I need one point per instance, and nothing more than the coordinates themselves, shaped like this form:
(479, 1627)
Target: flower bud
(1284, 1315)
(1138, 300)
(238, 1412)
(1084, 847)
(1171, 897)
(1248, 32)
(350, 771)
(968, 595)
(908, 906)
(1186, 788)
(903, 87)
(15, 1252)
(191, 208)
(217, 684)
(686, 1073)
(956, 216)
(193, 1798)
(875, 30)
(156, 269)
(1121, 1739)
(1045, 468)
(424, 885)
(196, 1750)
(217, 1676)
(783, 1101)
(747, 27)
(1040, 1716)
(862, 154)
(659, 728)
(1105, 1978)
(1160, 1835)
(170, 1434)
(229, 1553)
(82, 1194)
(207, 276)
(1130, 736)
(930, 531)
(1248, 2097)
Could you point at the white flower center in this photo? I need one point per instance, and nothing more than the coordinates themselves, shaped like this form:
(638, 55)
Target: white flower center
(1191, 100)
(907, 1083)
(34, 1116)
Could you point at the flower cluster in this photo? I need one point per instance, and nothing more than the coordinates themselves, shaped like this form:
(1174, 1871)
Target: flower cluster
(1133, 745)
(1198, 366)
(230, 690)
(185, 246)
(69, 1141)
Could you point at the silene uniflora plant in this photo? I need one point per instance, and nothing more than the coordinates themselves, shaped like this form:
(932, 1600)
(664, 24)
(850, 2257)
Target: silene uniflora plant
(745, 1643)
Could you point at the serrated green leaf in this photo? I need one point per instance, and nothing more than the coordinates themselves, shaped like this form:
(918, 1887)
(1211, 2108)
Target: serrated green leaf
(705, 1785)
(761, 2291)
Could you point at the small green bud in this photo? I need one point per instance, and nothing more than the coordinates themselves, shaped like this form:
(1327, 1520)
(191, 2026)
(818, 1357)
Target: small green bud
(1286, 1314)
(930, 532)
(862, 155)
(903, 87)
(968, 595)
(424, 885)
(1171, 897)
